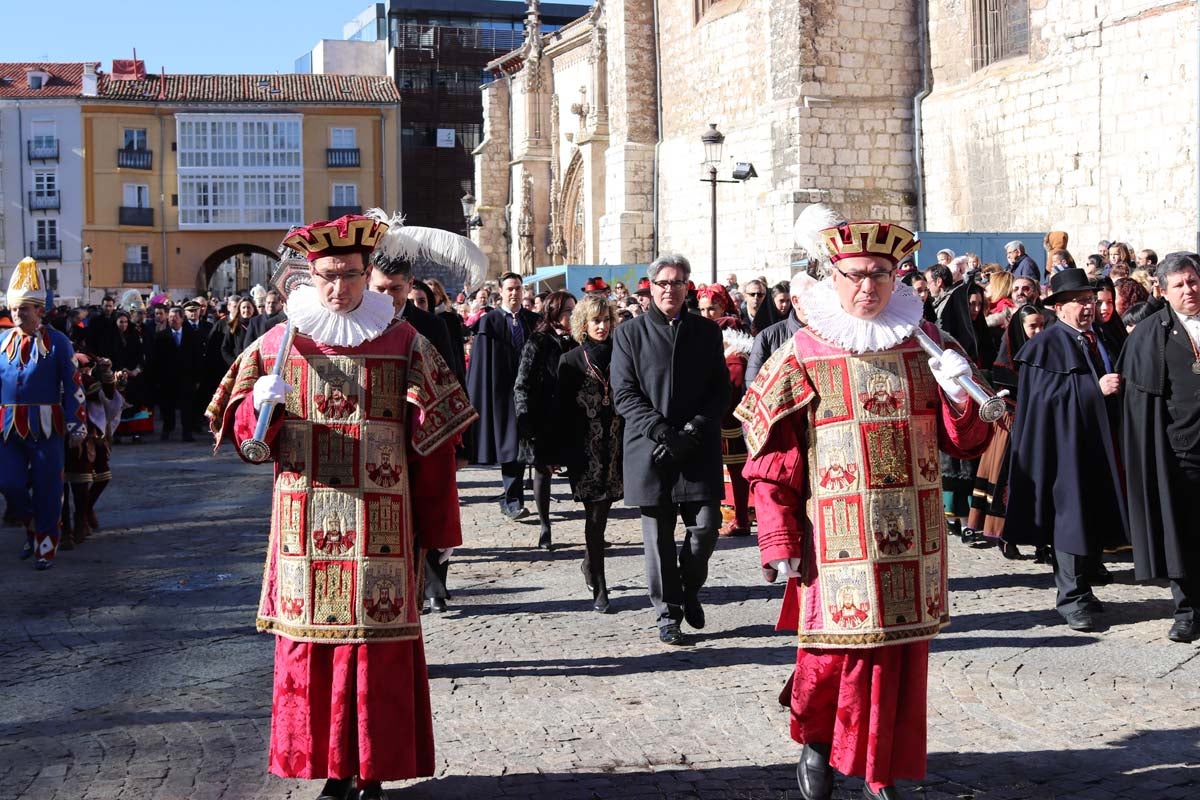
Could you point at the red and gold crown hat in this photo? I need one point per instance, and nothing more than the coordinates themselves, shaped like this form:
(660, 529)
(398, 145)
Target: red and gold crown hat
(352, 233)
(870, 238)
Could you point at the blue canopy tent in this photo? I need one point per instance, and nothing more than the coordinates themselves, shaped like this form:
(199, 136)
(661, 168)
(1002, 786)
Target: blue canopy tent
(572, 277)
(988, 245)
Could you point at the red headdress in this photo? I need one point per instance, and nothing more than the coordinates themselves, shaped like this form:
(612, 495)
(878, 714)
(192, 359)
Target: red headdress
(717, 293)
(643, 287)
(595, 284)
(352, 233)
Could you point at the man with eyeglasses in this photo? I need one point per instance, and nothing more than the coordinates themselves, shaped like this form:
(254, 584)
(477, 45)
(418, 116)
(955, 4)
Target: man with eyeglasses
(670, 383)
(1064, 485)
(843, 427)
(362, 427)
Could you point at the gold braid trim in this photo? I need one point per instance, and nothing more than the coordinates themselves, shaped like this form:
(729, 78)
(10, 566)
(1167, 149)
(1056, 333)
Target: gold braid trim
(443, 410)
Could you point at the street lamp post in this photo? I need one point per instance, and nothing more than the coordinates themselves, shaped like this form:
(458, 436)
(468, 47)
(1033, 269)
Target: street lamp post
(87, 273)
(713, 140)
(468, 207)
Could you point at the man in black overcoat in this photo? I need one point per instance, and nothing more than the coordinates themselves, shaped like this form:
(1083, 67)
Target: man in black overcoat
(1160, 372)
(177, 361)
(1065, 484)
(495, 356)
(272, 315)
(391, 274)
(671, 385)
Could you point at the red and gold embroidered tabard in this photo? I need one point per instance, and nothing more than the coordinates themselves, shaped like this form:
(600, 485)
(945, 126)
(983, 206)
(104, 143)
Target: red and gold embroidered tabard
(343, 565)
(874, 566)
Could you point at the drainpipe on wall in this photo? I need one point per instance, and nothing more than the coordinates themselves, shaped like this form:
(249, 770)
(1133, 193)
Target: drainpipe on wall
(658, 134)
(21, 172)
(162, 197)
(918, 139)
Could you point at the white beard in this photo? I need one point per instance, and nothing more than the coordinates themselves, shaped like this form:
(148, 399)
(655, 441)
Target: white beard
(831, 322)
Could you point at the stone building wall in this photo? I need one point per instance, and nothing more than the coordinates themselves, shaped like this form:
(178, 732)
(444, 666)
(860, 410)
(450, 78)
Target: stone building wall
(817, 94)
(491, 177)
(1094, 132)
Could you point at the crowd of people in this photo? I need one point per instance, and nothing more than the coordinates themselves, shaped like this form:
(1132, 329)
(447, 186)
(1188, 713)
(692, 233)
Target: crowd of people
(829, 415)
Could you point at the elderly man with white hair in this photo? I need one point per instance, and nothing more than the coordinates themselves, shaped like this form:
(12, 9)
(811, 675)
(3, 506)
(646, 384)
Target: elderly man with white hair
(1019, 262)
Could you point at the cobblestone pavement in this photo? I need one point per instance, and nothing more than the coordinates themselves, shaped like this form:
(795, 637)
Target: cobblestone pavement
(132, 668)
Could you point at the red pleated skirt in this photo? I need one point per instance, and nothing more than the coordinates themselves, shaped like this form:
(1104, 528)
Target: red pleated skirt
(869, 704)
(351, 709)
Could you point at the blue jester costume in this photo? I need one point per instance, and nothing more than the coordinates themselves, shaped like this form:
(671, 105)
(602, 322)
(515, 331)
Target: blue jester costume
(41, 401)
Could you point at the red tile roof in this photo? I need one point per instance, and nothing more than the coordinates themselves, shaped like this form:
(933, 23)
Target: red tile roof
(66, 79)
(286, 88)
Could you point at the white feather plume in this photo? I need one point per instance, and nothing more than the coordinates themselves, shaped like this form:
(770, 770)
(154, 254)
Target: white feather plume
(807, 232)
(736, 341)
(413, 242)
(131, 299)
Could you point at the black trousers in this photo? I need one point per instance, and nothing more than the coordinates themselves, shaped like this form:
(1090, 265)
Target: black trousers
(435, 576)
(1073, 577)
(672, 574)
(512, 473)
(180, 399)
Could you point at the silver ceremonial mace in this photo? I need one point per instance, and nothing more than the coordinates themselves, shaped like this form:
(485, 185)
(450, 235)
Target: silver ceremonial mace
(291, 272)
(991, 406)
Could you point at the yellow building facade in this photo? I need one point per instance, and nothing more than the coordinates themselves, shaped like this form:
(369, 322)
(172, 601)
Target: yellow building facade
(183, 172)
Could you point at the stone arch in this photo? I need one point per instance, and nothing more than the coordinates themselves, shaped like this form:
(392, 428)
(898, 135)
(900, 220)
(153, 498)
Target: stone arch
(574, 212)
(221, 255)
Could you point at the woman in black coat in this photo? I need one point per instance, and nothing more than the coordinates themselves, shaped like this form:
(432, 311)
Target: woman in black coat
(590, 432)
(534, 400)
(454, 325)
(129, 359)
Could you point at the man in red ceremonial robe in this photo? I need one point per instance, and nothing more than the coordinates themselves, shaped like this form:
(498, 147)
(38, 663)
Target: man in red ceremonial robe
(364, 419)
(864, 553)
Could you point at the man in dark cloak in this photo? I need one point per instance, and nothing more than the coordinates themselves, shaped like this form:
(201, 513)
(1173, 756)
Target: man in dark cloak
(1160, 370)
(1065, 484)
(495, 356)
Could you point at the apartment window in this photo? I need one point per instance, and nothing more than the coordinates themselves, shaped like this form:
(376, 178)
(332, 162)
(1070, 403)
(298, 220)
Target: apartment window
(45, 182)
(342, 138)
(137, 254)
(43, 133)
(136, 195)
(999, 30)
(47, 233)
(135, 139)
(240, 173)
(345, 194)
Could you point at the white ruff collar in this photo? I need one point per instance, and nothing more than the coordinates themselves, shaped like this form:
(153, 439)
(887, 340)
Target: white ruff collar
(350, 329)
(829, 320)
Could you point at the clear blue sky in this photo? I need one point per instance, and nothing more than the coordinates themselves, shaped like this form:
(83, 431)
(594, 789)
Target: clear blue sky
(254, 36)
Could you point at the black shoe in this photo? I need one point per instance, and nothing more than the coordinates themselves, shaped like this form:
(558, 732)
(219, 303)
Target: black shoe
(969, 535)
(26, 550)
(600, 605)
(336, 789)
(1042, 555)
(693, 612)
(1102, 577)
(372, 791)
(438, 605)
(884, 793)
(515, 514)
(813, 773)
(43, 564)
(954, 528)
(670, 634)
(1184, 631)
(1081, 620)
(1009, 551)
(544, 542)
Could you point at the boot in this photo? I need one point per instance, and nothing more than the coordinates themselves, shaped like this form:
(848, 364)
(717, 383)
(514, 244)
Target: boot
(98, 488)
(600, 592)
(81, 529)
(814, 774)
(541, 500)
